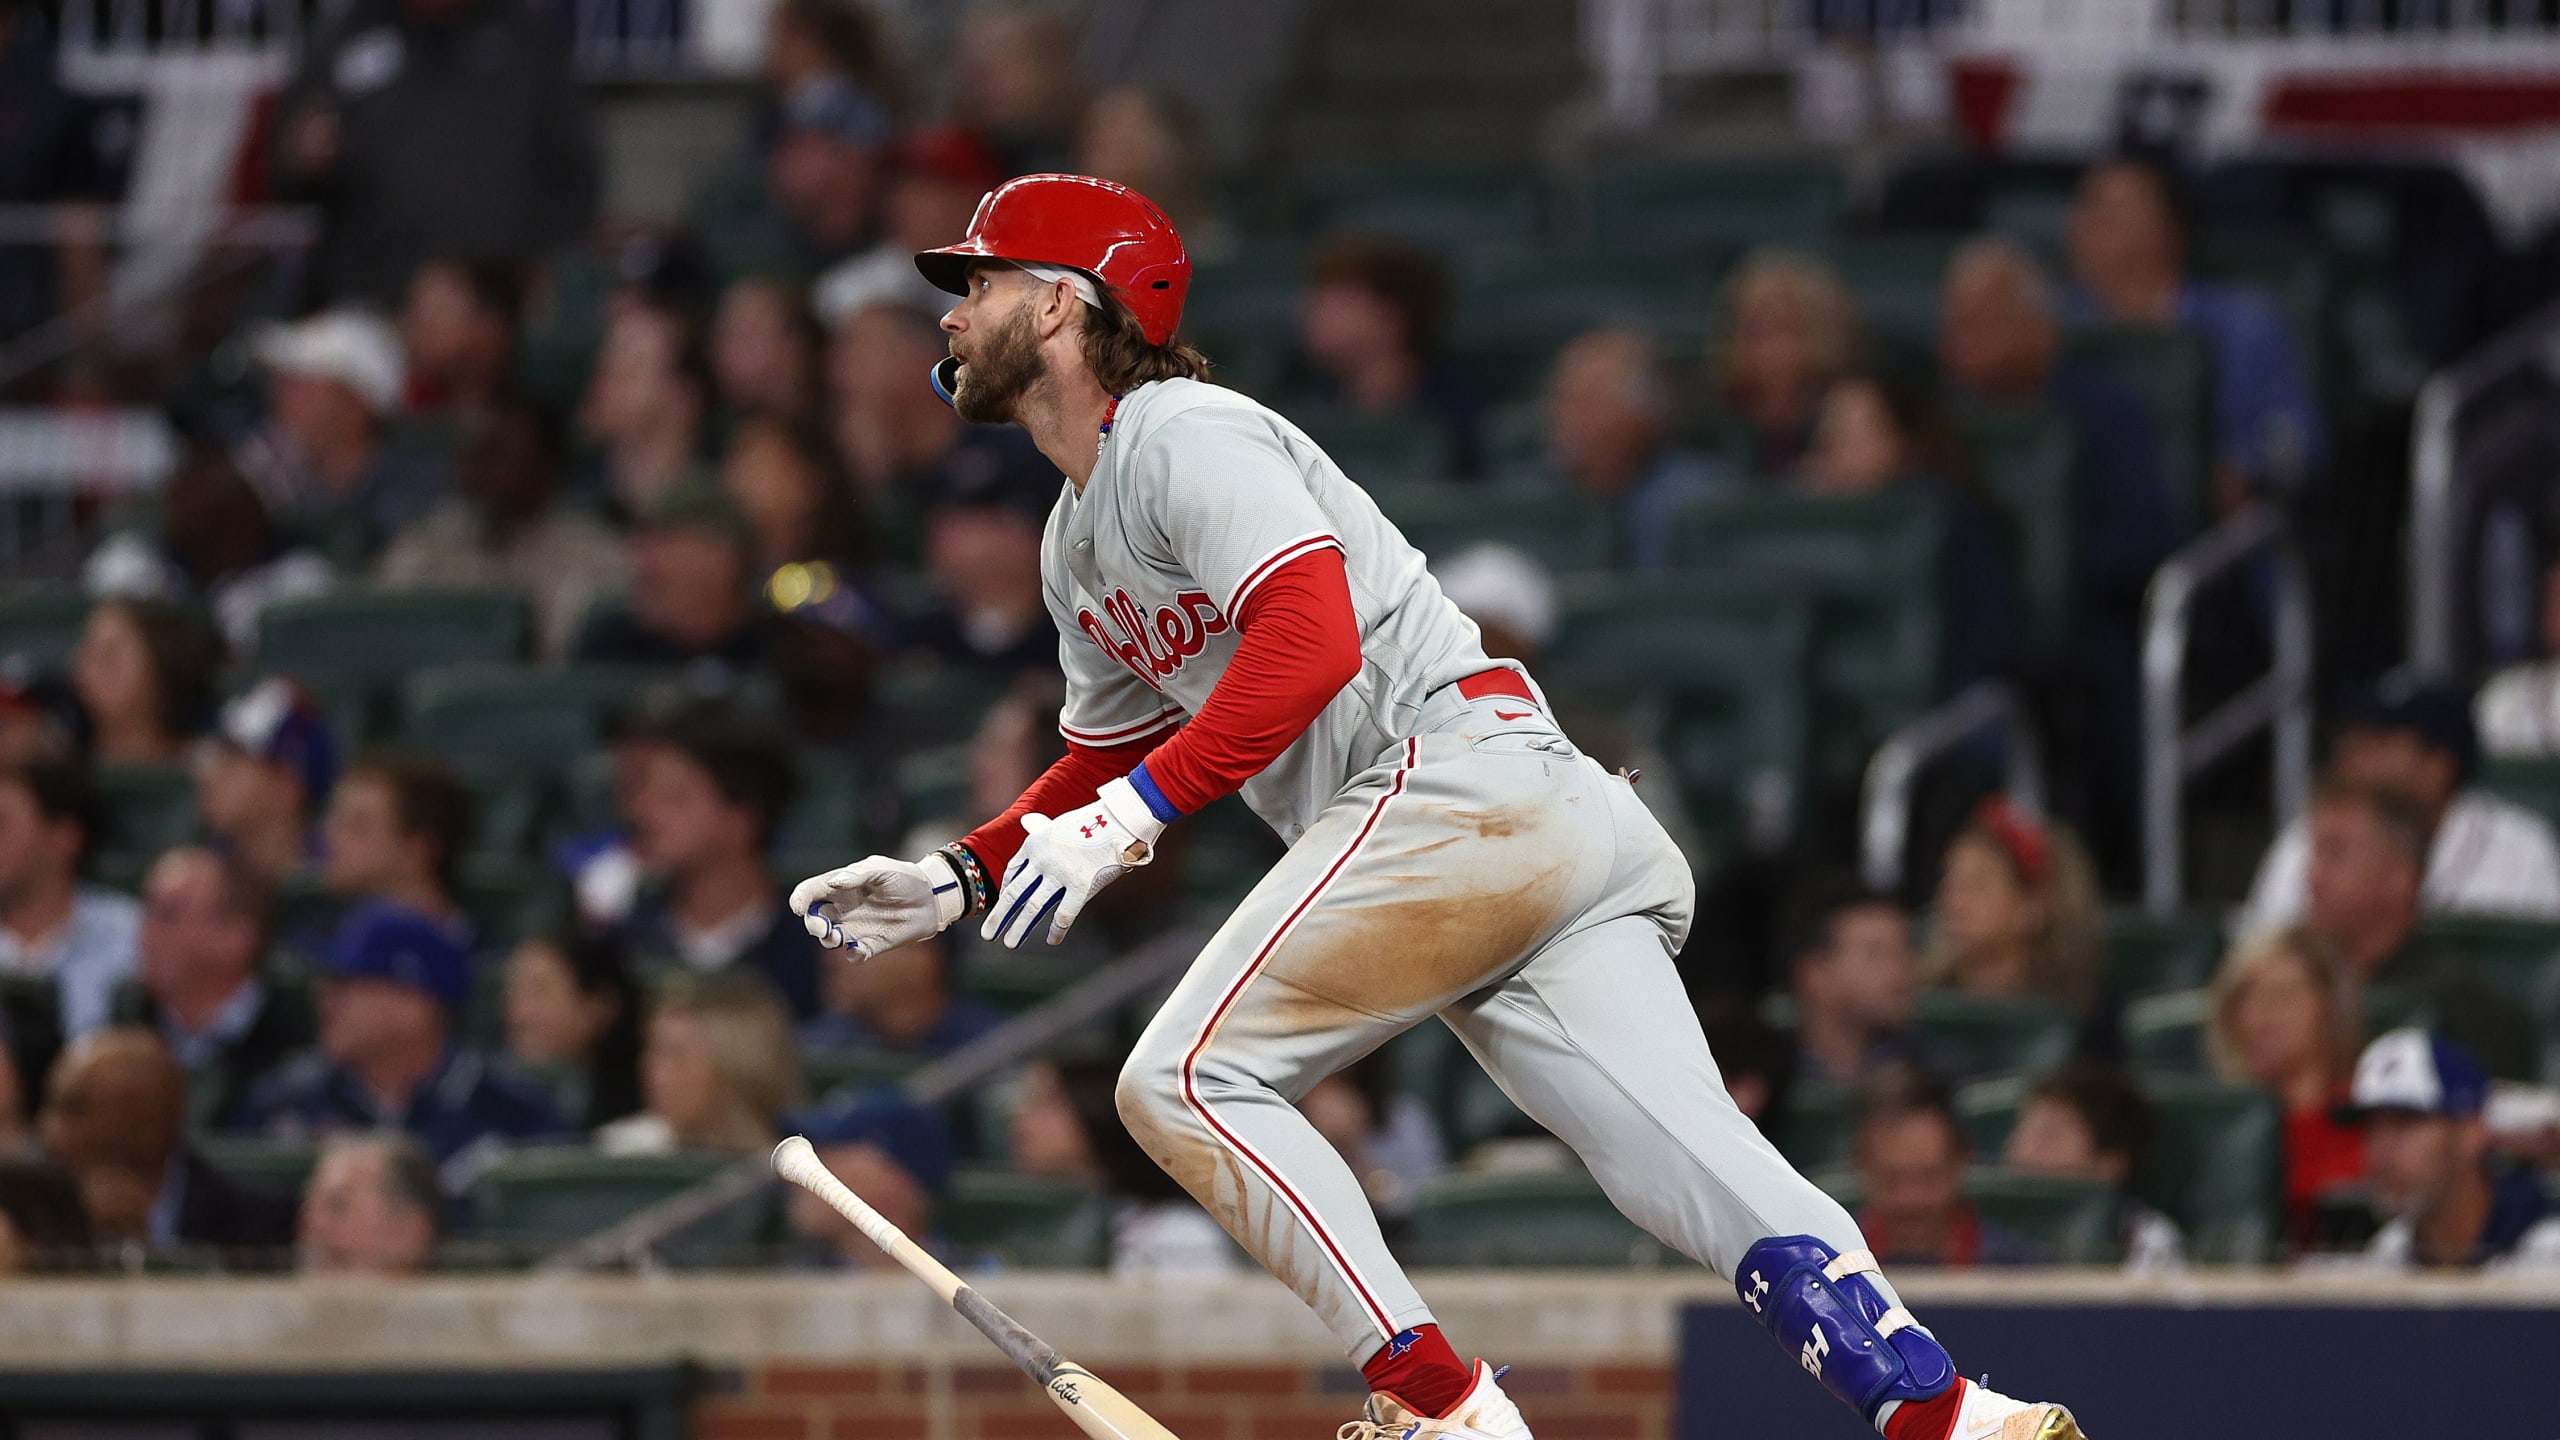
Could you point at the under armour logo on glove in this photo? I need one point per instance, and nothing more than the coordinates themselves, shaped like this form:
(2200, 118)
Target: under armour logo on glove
(1065, 862)
(1759, 1287)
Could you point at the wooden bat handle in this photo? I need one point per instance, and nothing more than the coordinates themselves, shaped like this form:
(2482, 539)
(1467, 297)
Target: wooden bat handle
(797, 1161)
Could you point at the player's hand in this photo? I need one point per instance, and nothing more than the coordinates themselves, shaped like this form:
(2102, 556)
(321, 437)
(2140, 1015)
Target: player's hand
(1066, 862)
(879, 903)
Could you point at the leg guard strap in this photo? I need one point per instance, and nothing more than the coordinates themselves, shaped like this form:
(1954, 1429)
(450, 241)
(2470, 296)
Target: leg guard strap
(1820, 1306)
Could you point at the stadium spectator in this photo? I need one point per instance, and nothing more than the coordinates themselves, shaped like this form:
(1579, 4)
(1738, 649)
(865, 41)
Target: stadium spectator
(2129, 234)
(573, 1016)
(982, 551)
(2488, 855)
(810, 40)
(81, 937)
(647, 406)
(2017, 910)
(1786, 327)
(2285, 1020)
(114, 1116)
(433, 128)
(217, 544)
(1066, 1125)
(321, 461)
(899, 1003)
(893, 1153)
(1759, 1064)
(782, 477)
(1609, 412)
(1877, 433)
(936, 176)
(270, 766)
(1014, 81)
(692, 605)
(1153, 142)
(144, 675)
(1856, 981)
(2450, 1205)
(765, 351)
(1386, 1135)
(2088, 1121)
(710, 787)
(459, 328)
(393, 989)
(372, 1207)
(35, 719)
(2366, 849)
(504, 528)
(823, 177)
(1371, 318)
(1910, 1154)
(44, 1224)
(716, 1073)
(397, 827)
(205, 923)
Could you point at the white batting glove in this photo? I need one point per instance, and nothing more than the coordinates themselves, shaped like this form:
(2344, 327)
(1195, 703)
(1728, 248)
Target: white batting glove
(1067, 861)
(879, 903)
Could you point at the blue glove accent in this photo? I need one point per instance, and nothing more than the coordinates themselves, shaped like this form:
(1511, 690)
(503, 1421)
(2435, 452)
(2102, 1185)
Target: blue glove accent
(1145, 784)
(1829, 1326)
(944, 376)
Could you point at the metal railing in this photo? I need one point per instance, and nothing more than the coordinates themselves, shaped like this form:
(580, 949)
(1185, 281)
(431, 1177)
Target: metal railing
(2279, 701)
(2436, 508)
(631, 1240)
(1884, 810)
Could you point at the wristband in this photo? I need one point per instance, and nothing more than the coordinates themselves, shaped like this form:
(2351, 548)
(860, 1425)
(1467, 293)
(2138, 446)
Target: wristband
(1165, 811)
(975, 893)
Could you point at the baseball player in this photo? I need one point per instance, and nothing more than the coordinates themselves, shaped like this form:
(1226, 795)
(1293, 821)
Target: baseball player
(1235, 614)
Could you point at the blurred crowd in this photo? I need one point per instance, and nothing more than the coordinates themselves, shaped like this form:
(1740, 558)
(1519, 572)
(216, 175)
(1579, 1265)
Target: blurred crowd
(705, 461)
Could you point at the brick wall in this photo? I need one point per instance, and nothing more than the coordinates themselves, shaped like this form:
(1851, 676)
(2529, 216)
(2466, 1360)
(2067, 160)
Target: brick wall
(799, 1401)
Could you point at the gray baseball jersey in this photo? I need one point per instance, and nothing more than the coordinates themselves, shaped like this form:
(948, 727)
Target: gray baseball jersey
(1198, 497)
(1451, 854)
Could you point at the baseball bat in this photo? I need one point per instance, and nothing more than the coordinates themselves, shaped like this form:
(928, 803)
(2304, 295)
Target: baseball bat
(1090, 1402)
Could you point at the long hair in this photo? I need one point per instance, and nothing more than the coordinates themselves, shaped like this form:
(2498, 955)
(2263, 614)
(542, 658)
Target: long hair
(2064, 958)
(751, 1045)
(2341, 1024)
(1117, 351)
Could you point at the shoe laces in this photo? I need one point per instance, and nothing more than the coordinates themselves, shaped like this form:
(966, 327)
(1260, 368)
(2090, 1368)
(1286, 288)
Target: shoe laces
(1372, 1430)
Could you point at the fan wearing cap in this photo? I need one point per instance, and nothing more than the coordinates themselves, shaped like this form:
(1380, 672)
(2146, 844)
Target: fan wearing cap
(894, 1153)
(261, 780)
(2428, 1164)
(393, 989)
(1236, 616)
(2488, 856)
(334, 385)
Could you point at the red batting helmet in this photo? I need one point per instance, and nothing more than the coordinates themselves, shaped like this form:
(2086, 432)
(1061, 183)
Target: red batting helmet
(1101, 227)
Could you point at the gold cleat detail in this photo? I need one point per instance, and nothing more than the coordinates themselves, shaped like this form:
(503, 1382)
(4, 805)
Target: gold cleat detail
(2045, 1422)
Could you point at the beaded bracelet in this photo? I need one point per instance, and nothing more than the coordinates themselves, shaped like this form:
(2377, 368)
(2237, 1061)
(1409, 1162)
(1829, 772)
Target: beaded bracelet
(975, 892)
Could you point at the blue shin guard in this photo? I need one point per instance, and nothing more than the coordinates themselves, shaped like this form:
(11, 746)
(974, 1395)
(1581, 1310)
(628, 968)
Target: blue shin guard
(1821, 1307)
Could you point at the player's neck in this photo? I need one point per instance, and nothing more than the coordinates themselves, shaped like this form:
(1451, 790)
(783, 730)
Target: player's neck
(1064, 416)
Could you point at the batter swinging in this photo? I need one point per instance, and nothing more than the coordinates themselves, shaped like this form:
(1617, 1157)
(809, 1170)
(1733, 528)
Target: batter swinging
(1236, 614)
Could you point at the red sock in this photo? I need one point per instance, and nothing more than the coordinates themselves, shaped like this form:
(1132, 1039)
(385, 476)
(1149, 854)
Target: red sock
(1930, 1419)
(1420, 1369)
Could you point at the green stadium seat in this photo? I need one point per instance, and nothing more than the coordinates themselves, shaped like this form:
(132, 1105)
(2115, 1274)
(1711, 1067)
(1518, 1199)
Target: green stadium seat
(2172, 372)
(2519, 957)
(2533, 784)
(1538, 1220)
(1988, 1110)
(2217, 1167)
(828, 1071)
(1997, 1034)
(1898, 280)
(1872, 569)
(534, 719)
(1548, 521)
(2030, 462)
(512, 805)
(1377, 449)
(353, 648)
(277, 1167)
(506, 899)
(2068, 1222)
(827, 812)
(2150, 955)
(1736, 203)
(1821, 1124)
(40, 629)
(547, 1196)
(149, 809)
(2168, 1033)
(1442, 207)
(1025, 1221)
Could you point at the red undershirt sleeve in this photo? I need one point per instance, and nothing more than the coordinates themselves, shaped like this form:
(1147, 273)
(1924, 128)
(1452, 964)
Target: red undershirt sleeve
(1072, 781)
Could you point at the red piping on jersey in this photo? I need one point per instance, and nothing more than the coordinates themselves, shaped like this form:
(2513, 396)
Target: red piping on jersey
(1122, 734)
(1209, 1031)
(1270, 565)
(1300, 646)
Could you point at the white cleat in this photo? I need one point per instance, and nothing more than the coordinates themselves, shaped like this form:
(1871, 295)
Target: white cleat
(1484, 1414)
(1989, 1415)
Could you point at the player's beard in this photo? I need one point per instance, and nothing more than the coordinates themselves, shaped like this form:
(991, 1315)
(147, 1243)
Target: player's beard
(1001, 368)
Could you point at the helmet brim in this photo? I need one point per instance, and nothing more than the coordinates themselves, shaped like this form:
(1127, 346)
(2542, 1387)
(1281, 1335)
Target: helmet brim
(947, 269)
